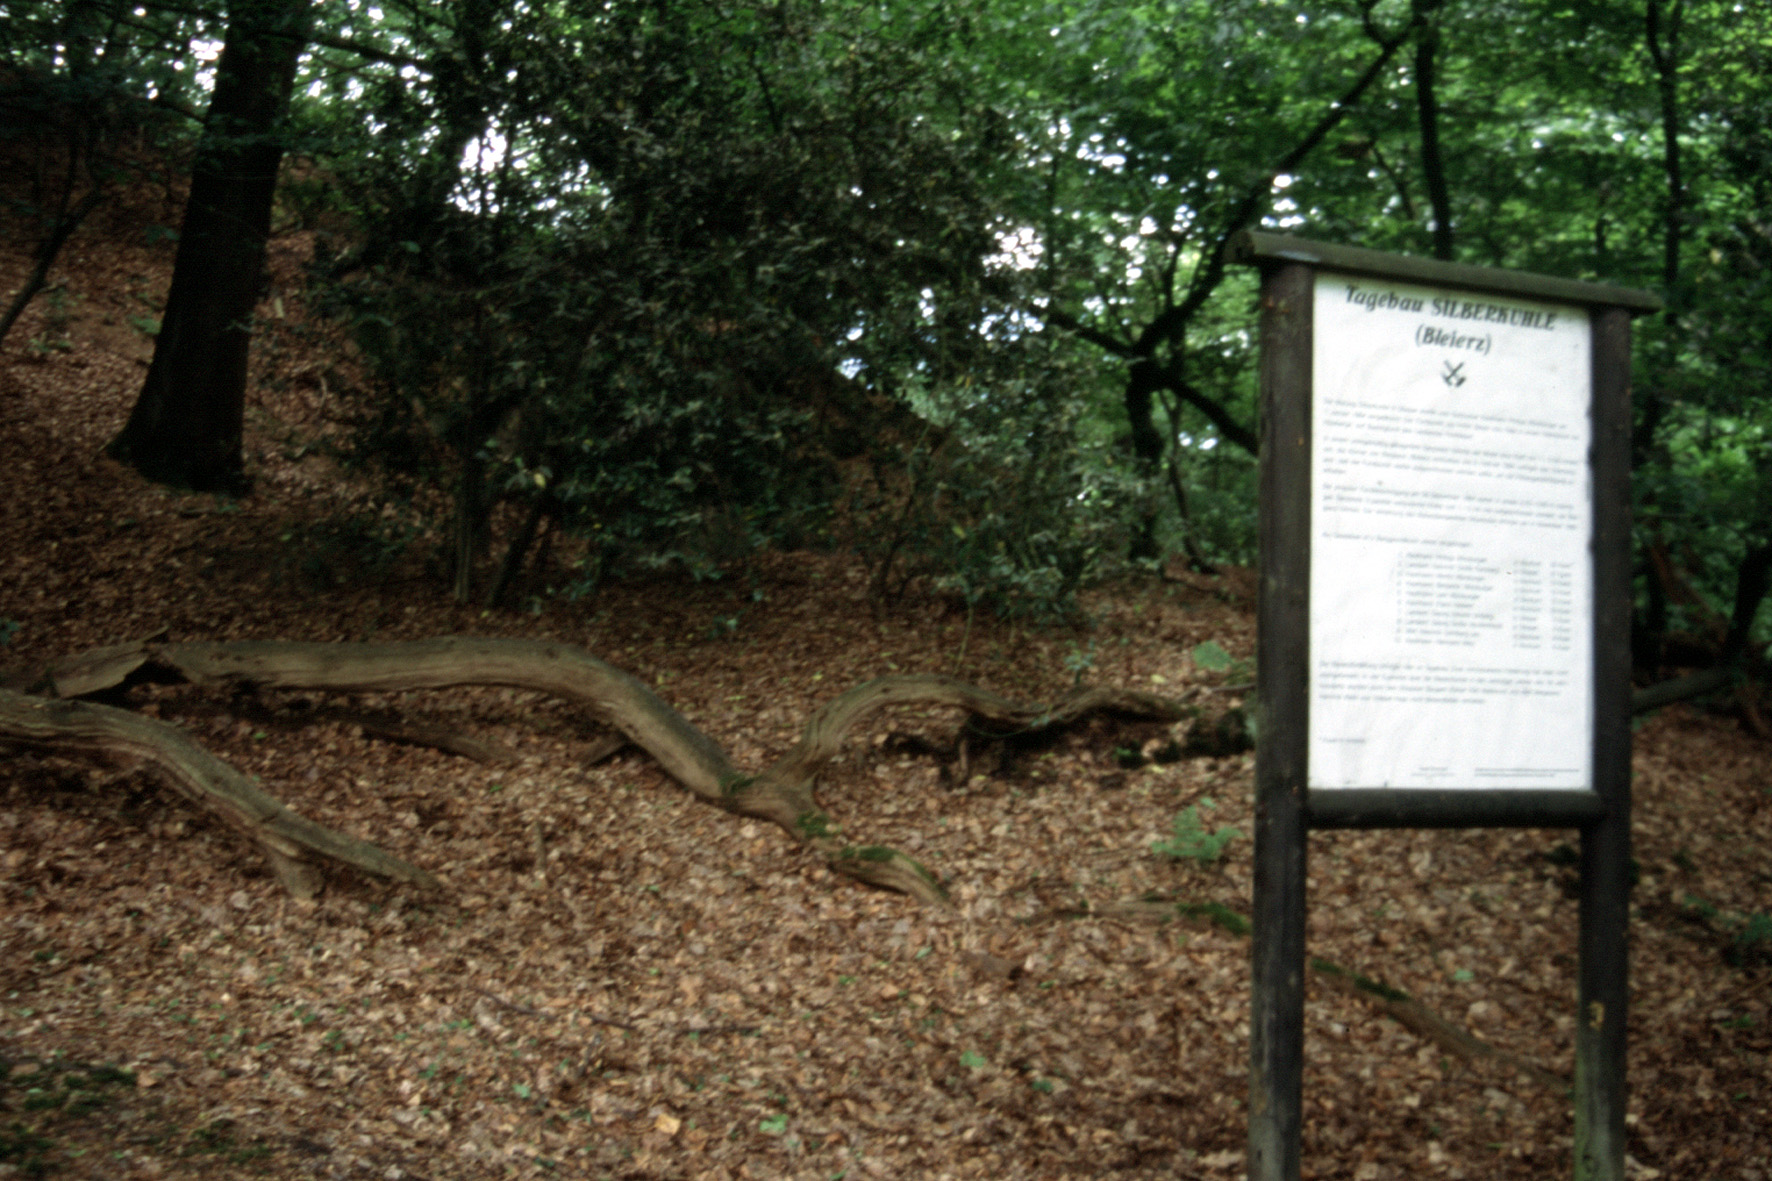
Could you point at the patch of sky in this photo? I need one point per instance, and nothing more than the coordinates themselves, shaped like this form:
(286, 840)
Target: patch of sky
(1018, 249)
(1285, 207)
(1096, 150)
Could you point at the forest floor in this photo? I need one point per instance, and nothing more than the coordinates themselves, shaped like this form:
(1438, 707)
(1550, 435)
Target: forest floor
(620, 981)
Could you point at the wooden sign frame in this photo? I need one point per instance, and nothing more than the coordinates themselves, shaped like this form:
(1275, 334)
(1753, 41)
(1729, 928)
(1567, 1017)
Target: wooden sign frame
(1287, 807)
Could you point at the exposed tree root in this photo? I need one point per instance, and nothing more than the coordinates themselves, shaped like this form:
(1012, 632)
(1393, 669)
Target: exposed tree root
(782, 794)
(290, 842)
(1399, 1006)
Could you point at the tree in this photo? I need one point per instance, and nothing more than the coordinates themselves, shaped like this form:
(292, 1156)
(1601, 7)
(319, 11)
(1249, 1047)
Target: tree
(1152, 135)
(187, 423)
(655, 263)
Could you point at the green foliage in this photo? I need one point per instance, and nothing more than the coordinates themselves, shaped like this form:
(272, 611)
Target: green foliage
(637, 312)
(1365, 984)
(1191, 841)
(661, 275)
(24, 1149)
(1753, 942)
(1219, 914)
(866, 853)
(816, 826)
(1211, 657)
(1006, 502)
(1746, 938)
(356, 549)
(50, 1091)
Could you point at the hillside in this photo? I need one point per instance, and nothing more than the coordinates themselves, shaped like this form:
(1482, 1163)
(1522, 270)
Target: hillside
(620, 981)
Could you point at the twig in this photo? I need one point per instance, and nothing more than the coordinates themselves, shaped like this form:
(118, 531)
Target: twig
(532, 1012)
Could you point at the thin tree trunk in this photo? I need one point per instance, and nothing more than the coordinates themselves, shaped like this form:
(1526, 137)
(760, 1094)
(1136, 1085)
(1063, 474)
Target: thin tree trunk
(52, 244)
(515, 553)
(1427, 108)
(1662, 37)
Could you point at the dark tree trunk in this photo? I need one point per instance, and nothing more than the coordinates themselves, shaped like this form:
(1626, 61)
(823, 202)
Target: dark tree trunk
(1427, 109)
(187, 423)
(1753, 579)
(1662, 36)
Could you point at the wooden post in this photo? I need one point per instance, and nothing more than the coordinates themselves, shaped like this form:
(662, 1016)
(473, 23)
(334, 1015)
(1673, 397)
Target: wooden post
(1605, 842)
(1276, 1022)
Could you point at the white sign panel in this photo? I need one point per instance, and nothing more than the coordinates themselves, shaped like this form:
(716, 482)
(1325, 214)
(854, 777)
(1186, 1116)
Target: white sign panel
(1451, 518)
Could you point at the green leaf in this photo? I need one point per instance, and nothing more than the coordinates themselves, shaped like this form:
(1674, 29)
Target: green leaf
(1211, 657)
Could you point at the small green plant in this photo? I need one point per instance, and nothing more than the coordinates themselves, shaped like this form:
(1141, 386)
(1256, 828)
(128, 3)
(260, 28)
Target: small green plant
(1211, 657)
(1080, 661)
(814, 825)
(1191, 841)
(1753, 943)
(773, 1125)
(58, 313)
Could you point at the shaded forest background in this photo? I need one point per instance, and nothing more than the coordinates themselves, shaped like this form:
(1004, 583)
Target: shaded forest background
(668, 285)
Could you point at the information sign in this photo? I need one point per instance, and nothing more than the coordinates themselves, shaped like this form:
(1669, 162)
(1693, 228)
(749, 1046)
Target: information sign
(1445, 611)
(1451, 520)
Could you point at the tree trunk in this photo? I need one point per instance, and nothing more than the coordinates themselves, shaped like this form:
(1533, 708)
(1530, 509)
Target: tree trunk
(1427, 108)
(188, 421)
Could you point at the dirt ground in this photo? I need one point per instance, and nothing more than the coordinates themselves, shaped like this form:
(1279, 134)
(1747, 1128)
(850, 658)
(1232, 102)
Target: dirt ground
(619, 981)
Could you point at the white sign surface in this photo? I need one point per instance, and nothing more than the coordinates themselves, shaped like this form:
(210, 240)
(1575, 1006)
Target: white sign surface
(1451, 519)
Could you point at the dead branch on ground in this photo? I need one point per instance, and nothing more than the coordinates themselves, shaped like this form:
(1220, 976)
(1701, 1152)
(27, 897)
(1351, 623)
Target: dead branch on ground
(783, 794)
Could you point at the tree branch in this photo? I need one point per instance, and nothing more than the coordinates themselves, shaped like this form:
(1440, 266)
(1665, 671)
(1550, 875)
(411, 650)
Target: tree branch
(1207, 279)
